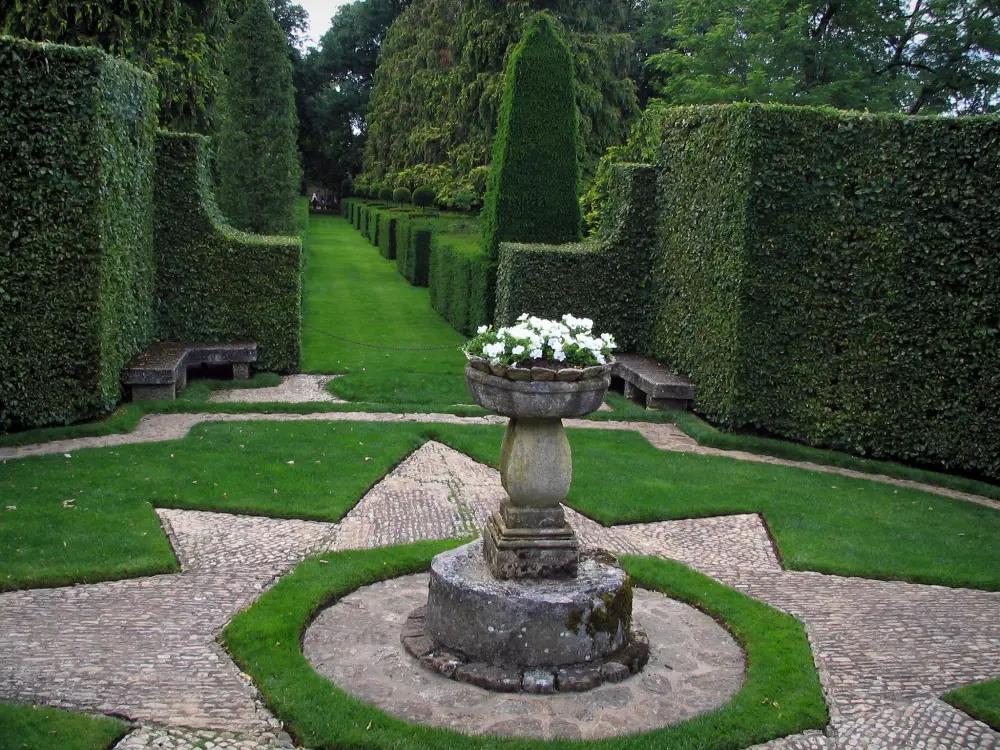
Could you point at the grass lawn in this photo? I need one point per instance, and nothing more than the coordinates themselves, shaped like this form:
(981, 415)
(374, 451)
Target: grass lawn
(352, 291)
(981, 701)
(782, 694)
(90, 517)
(51, 729)
(820, 522)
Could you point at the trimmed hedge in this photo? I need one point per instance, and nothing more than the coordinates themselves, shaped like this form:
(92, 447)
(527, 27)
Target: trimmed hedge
(77, 132)
(609, 281)
(413, 248)
(832, 277)
(462, 281)
(215, 282)
(388, 222)
(532, 193)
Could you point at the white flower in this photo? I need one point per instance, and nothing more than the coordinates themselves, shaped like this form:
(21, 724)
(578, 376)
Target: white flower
(600, 358)
(560, 356)
(517, 350)
(482, 329)
(522, 318)
(536, 353)
(555, 343)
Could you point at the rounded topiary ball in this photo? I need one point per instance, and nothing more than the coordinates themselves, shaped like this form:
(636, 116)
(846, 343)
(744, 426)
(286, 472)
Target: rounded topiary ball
(401, 195)
(424, 197)
(385, 194)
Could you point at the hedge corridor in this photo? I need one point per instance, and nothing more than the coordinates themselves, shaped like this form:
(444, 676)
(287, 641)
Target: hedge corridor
(92, 256)
(828, 277)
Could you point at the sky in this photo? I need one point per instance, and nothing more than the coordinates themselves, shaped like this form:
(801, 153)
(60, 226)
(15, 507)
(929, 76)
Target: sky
(320, 12)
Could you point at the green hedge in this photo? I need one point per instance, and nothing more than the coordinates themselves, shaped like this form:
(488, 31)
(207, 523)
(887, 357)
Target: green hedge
(413, 247)
(609, 281)
(77, 132)
(214, 282)
(532, 193)
(387, 229)
(462, 280)
(832, 277)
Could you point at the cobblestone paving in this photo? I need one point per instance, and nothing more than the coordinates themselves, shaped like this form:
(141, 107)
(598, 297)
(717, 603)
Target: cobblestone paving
(294, 389)
(695, 666)
(146, 648)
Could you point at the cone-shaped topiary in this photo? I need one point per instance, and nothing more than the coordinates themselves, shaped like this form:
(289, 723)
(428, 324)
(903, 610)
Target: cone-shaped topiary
(424, 197)
(346, 188)
(532, 190)
(258, 158)
(401, 195)
(385, 194)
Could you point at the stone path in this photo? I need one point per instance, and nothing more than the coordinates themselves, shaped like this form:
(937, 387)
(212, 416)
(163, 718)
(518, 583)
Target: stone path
(294, 389)
(666, 437)
(146, 648)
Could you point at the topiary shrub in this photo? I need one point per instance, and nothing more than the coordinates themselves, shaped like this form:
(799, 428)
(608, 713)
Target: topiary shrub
(258, 158)
(401, 195)
(424, 197)
(532, 192)
(346, 188)
(385, 194)
(77, 140)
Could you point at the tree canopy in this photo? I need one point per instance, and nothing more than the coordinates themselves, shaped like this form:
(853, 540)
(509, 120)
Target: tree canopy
(883, 55)
(440, 79)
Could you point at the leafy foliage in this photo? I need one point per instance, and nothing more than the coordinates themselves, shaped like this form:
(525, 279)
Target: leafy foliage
(214, 282)
(462, 279)
(609, 281)
(77, 135)
(258, 162)
(532, 193)
(831, 277)
(440, 83)
(178, 41)
(914, 56)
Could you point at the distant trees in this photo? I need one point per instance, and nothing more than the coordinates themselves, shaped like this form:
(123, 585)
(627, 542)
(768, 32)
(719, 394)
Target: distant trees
(258, 161)
(914, 56)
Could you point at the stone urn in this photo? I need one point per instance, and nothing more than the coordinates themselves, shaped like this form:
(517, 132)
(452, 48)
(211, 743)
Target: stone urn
(528, 537)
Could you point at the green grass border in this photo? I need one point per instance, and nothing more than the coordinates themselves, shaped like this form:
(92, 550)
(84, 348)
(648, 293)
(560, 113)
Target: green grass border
(782, 695)
(44, 728)
(981, 701)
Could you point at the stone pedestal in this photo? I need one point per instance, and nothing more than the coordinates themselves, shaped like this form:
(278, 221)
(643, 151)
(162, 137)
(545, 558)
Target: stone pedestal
(528, 537)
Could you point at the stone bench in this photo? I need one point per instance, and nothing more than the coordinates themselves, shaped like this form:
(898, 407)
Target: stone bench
(649, 383)
(160, 372)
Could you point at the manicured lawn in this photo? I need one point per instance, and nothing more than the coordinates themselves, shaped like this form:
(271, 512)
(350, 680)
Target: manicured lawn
(981, 701)
(820, 522)
(782, 694)
(90, 517)
(51, 729)
(352, 291)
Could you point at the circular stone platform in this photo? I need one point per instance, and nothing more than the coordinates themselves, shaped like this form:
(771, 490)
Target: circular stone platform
(695, 666)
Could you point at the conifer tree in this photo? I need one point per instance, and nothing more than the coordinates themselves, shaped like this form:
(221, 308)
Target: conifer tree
(258, 161)
(532, 193)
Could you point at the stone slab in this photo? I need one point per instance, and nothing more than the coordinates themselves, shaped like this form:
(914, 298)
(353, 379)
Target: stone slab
(652, 378)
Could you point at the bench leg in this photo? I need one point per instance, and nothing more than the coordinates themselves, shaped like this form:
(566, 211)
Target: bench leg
(153, 393)
(633, 393)
(241, 371)
(667, 404)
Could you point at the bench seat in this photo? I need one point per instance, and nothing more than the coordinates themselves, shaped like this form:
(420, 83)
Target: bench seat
(160, 372)
(651, 384)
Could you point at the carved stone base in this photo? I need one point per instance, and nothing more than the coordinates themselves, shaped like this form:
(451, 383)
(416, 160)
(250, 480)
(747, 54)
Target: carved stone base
(521, 543)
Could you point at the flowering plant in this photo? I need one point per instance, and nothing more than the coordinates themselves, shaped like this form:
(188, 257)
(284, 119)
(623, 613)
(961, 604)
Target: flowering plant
(570, 341)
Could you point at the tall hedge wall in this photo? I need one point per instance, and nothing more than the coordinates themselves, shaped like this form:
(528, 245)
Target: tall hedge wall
(609, 280)
(214, 282)
(413, 248)
(76, 267)
(833, 277)
(462, 281)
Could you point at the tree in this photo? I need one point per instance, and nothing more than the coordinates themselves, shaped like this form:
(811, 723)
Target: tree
(293, 20)
(882, 55)
(178, 41)
(440, 81)
(258, 162)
